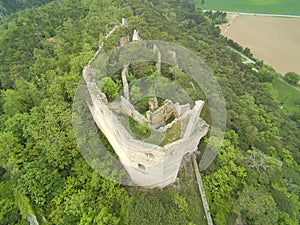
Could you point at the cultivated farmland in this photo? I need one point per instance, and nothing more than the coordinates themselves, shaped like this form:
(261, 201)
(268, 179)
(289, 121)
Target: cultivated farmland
(275, 40)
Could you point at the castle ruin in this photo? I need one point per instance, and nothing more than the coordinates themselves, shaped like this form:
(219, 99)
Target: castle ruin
(148, 164)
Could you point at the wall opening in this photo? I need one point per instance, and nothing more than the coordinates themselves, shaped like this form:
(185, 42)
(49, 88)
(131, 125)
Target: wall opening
(149, 155)
(141, 166)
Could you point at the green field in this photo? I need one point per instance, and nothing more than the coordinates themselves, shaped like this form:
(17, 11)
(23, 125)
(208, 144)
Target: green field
(287, 7)
(286, 95)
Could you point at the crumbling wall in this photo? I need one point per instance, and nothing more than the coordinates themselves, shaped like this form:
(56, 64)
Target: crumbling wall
(162, 114)
(158, 64)
(136, 36)
(124, 40)
(125, 107)
(124, 81)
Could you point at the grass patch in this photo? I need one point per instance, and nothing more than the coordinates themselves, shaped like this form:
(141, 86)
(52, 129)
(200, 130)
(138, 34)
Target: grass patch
(138, 130)
(287, 95)
(172, 134)
(288, 7)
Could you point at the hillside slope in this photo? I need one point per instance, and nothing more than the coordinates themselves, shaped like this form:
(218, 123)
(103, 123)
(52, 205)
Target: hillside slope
(10, 6)
(44, 176)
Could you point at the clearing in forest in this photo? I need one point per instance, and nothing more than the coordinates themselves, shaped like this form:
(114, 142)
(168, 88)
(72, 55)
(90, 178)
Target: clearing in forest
(287, 95)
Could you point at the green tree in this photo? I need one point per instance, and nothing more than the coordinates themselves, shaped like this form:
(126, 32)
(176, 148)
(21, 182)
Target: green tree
(9, 213)
(135, 94)
(257, 206)
(21, 99)
(266, 75)
(110, 88)
(224, 182)
(292, 78)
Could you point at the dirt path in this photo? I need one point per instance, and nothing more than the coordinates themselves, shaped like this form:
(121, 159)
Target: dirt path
(276, 40)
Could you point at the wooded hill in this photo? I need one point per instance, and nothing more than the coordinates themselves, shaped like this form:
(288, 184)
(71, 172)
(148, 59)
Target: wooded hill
(42, 53)
(10, 6)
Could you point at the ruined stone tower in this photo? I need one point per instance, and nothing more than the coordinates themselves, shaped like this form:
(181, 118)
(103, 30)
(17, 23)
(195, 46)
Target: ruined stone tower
(148, 164)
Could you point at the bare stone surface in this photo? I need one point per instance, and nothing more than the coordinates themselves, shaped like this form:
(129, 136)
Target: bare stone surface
(135, 36)
(158, 64)
(32, 220)
(153, 104)
(124, 81)
(124, 22)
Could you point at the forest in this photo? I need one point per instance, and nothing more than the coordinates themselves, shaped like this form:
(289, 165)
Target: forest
(10, 6)
(43, 176)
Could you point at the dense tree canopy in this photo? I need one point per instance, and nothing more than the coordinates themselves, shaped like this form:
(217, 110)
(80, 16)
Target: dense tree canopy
(10, 6)
(292, 77)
